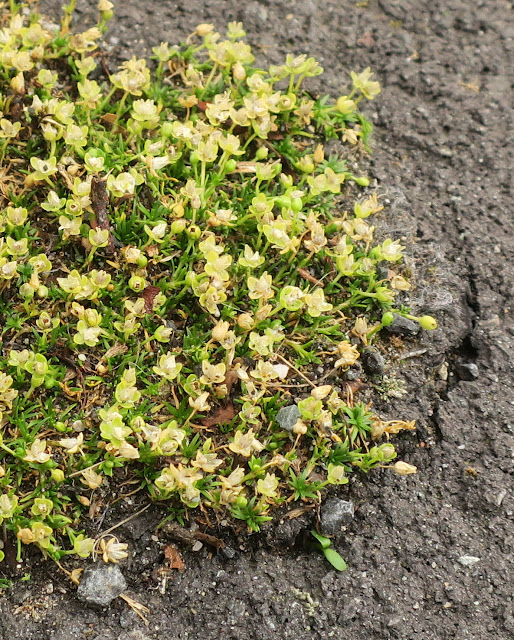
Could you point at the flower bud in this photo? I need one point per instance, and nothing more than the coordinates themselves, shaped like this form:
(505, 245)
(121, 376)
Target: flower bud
(178, 210)
(404, 468)
(387, 319)
(428, 323)
(178, 226)
(286, 181)
(57, 475)
(42, 291)
(261, 153)
(230, 165)
(167, 129)
(321, 392)
(190, 278)
(26, 291)
(345, 105)
(387, 452)
(18, 83)
(238, 71)
(245, 321)
(300, 428)
(296, 204)
(204, 29)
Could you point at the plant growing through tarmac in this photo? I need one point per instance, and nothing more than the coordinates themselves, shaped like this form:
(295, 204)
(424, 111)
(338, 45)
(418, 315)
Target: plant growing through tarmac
(325, 545)
(178, 256)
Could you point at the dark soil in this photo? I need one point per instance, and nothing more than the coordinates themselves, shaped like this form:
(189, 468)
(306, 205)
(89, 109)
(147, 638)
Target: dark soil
(441, 159)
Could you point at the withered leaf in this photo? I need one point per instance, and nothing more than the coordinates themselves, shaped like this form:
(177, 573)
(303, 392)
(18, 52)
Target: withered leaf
(185, 536)
(220, 416)
(230, 379)
(172, 555)
(355, 385)
(208, 539)
(148, 296)
(305, 274)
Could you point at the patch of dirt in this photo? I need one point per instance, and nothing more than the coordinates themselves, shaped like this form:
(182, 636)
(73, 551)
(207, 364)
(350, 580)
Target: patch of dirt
(441, 159)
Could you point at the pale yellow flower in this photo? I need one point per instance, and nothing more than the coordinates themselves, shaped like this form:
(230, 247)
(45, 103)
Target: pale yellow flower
(349, 354)
(112, 550)
(245, 443)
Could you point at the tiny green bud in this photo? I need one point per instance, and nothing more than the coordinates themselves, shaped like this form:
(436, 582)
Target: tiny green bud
(286, 181)
(261, 153)
(230, 165)
(26, 291)
(362, 181)
(428, 323)
(387, 319)
(60, 426)
(42, 291)
(167, 129)
(296, 204)
(142, 261)
(345, 105)
(57, 475)
(178, 226)
(386, 452)
(190, 278)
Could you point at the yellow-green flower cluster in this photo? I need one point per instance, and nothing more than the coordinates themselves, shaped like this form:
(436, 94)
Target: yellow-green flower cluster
(176, 263)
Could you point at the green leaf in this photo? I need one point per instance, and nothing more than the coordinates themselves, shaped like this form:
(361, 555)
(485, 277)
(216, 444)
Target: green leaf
(335, 559)
(324, 542)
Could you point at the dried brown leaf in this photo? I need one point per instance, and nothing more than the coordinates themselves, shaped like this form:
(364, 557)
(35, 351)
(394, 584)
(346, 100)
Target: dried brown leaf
(148, 296)
(172, 555)
(220, 416)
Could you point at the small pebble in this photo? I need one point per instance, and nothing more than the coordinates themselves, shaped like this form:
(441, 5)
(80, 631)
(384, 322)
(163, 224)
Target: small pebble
(403, 327)
(100, 585)
(287, 417)
(467, 371)
(373, 362)
(334, 515)
(468, 561)
(228, 552)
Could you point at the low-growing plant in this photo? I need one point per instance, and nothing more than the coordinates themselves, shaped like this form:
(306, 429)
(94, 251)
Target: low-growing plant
(333, 556)
(177, 259)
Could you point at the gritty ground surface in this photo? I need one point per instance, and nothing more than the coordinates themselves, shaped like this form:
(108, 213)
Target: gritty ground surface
(441, 159)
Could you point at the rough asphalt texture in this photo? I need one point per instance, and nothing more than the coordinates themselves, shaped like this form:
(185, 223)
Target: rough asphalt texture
(441, 159)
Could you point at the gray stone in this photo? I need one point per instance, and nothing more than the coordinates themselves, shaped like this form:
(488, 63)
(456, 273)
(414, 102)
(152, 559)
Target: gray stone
(334, 515)
(373, 362)
(100, 585)
(255, 10)
(403, 327)
(228, 552)
(467, 371)
(288, 416)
